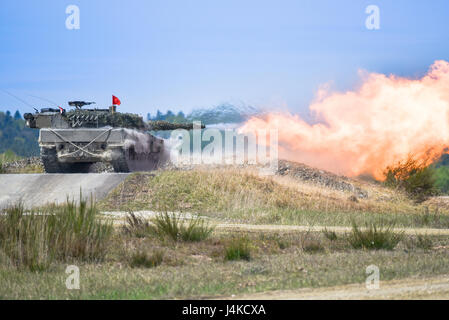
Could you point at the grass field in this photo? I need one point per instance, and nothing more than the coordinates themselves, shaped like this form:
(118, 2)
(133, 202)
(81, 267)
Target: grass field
(194, 270)
(169, 257)
(243, 196)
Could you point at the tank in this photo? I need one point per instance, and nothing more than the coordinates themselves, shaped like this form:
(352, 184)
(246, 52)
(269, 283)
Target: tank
(72, 141)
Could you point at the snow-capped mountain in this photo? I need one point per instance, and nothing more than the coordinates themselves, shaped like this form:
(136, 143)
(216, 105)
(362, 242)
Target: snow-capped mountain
(223, 113)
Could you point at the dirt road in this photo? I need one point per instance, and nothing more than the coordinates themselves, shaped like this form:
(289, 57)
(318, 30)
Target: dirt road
(286, 228)
(118, 216)
(428, 288)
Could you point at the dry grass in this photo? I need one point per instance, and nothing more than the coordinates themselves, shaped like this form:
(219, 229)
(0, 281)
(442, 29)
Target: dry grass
(9, 156)
(238, 249)
(152, 269)
(242, 195)
(33, 240)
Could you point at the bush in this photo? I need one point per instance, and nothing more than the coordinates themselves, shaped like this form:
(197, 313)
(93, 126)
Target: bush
(33, 240)
(24, 239)
(142, 259)
(330, 235)
(238, 249)
(442, 179)
(136, 226)
(309, 243)
(374, 238)
(414, 177)
(312, 246)
(173, 227)
(78, 233)
(421, 241)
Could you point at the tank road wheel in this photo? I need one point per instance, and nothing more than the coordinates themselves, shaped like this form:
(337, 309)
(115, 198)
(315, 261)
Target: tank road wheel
(50, 160)
(52, 165)
(119, 163)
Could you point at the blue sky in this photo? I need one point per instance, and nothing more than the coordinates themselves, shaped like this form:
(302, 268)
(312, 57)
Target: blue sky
(181, 55)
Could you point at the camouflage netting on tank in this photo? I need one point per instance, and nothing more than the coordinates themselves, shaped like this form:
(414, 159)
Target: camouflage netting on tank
(99, 118)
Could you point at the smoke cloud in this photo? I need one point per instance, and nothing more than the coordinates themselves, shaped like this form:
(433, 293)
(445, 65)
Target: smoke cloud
(362, 131)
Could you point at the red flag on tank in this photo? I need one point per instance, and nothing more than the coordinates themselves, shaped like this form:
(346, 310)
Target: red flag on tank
(115, 101)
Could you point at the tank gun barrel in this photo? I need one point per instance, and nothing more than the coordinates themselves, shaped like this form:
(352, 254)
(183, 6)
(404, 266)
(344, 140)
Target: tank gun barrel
(161, 125)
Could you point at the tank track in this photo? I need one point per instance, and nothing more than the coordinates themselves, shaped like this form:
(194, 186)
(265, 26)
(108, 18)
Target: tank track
(125, 162)
(52, 165)
(120, 164)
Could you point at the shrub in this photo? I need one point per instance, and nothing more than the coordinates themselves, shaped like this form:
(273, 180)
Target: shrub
(414, 177)
(142, 259)
(136, 226)
(331, 235)
(442, 178)
(33, 240)
(309, 243)
(421, 241)
(173, 227)
(238, 249)
(312, 246)
(374, 238)
(78, 233)
(24, 239)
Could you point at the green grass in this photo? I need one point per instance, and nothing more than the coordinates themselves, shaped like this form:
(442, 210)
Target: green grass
(238, 249)
(33, 240)
(167, 225)
(330, 235)
(270, 272)
(143, 259)
(374, 237)
(424, 242)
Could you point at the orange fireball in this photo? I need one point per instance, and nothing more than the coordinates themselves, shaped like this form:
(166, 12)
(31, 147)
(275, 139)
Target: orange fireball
(363, 131)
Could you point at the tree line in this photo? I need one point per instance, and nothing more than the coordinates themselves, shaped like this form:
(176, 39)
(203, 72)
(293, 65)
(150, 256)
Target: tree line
(15, 136)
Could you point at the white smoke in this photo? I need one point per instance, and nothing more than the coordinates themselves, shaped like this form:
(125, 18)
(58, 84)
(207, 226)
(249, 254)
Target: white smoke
(139, 140)
(150, 152)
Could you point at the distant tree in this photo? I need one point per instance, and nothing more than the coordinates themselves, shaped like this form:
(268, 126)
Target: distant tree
(170, 116)
(17, 115)
(181, 115)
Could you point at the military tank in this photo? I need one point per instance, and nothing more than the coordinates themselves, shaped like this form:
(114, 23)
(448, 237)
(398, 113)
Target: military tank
(72, 141)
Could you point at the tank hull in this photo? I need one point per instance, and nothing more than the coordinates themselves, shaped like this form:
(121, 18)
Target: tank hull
(74, 150)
